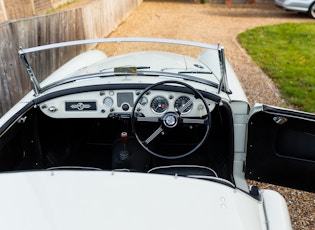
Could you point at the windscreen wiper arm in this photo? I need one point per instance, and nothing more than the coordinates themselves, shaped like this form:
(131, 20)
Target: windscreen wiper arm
(195, 72)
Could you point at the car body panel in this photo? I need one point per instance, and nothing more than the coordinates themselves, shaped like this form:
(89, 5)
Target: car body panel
(280, 147)
(118, 200)
(72, 155)
(277, 215)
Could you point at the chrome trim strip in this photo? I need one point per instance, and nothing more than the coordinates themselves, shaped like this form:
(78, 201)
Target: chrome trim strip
(108, 40)
(223, 82)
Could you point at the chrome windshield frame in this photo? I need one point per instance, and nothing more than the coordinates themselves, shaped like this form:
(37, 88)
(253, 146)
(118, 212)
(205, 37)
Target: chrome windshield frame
(223, 81)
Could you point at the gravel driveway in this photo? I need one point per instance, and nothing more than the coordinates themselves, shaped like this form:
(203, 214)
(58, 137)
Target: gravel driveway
(222, 23)
(213, 23)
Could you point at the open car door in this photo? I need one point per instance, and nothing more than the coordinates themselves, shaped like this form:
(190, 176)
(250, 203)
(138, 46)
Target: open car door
(281, 147)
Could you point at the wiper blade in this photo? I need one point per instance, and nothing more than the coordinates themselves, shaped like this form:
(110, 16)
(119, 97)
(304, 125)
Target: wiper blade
(195, 72)
(139, 73)
(143, 67)
(180, 76)
(76, 78)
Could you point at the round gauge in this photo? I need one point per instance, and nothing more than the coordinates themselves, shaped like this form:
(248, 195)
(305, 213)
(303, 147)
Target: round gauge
(108, 101)
(181, 102)
(143, 101)
(159, 104)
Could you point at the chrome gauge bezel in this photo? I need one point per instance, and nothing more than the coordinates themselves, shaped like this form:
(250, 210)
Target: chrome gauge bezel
(108, 102)
(155, 108)
(143, 101)
(178, 103)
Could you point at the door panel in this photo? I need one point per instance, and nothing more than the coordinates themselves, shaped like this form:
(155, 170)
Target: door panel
(281, 148)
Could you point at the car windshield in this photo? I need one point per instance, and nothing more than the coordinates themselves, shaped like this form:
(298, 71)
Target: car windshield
(124, 56)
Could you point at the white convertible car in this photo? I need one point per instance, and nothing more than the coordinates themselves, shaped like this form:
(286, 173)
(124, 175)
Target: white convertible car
(147, 140)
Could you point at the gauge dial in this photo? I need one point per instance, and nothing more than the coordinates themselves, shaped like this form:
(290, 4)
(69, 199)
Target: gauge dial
(159, 104)
(108, 101)
(180, 104)
(143, 101)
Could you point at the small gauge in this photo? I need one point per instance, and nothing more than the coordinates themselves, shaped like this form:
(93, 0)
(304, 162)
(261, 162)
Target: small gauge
(180, 104)
(159, 104)
(143, 101)
(108, 101)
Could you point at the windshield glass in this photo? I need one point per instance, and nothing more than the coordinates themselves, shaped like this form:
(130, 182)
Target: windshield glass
(107, 57)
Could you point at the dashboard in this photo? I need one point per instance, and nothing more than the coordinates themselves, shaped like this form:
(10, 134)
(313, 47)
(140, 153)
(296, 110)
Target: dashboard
(109, 103)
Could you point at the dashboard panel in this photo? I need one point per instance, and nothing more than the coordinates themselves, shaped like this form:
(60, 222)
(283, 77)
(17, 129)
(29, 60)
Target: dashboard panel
(107, 103)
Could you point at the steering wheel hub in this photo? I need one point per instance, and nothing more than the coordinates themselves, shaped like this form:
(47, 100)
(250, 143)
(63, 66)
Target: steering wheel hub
(170, 120)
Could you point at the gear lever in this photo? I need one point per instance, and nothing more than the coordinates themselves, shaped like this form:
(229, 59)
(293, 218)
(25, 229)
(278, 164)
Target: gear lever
(123, 154)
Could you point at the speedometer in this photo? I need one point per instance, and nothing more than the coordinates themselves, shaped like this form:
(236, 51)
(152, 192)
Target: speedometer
(183, 104)
(159, 104)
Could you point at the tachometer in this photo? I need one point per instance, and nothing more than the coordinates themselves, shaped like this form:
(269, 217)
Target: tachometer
(159, 104)
(182, 106)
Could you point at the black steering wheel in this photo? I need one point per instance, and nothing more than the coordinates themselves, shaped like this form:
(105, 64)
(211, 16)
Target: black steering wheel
(171, 123)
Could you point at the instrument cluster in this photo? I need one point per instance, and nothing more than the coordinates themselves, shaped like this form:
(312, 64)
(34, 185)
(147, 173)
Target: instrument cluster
(108, 103)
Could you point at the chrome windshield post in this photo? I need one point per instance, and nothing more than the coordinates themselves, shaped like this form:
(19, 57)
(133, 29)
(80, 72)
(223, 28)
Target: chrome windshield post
(223, 82)
(30, 72)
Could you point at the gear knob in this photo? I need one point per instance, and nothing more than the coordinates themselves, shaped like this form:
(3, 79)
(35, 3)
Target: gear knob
(124, 137)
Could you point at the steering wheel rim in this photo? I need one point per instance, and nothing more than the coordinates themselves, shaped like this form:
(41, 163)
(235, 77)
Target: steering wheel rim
(170, 119)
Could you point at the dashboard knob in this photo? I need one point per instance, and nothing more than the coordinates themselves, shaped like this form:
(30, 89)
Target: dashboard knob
(125, 107)
(52, 109)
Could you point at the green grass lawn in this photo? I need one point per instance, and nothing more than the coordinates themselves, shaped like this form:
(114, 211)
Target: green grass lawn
(286, 53)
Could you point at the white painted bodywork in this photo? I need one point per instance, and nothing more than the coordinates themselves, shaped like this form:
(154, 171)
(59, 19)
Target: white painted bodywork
(124, 200)
(74, 199)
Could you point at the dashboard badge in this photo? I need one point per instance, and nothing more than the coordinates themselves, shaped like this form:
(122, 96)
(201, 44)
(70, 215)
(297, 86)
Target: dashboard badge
(80, 106)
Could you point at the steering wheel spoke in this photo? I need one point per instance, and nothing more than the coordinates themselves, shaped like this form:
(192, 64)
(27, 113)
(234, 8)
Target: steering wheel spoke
(183, 108)
(194, 121)
(148, 119)
(153, 135)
